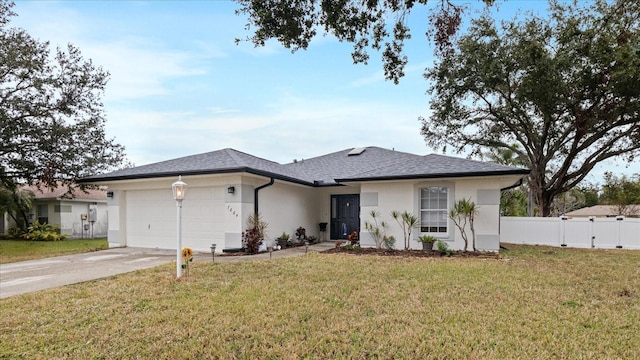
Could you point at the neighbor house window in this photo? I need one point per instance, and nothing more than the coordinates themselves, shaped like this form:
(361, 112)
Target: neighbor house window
(43, 213)
(434, 209)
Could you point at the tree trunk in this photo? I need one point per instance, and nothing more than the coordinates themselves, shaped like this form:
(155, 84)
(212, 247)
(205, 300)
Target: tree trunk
(26, 219)
(541, 195)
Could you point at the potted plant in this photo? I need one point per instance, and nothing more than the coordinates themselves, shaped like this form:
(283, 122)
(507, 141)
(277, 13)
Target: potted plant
(301, 235)
(312, 239)
(427, 242)
(283, 239)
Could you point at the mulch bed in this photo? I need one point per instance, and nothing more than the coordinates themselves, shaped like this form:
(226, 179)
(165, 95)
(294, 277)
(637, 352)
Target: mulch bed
(398, 253)
(411, 253)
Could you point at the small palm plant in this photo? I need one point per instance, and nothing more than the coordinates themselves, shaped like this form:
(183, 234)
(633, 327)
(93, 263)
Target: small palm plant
(407, 221)
(463, 212)
(376, 229)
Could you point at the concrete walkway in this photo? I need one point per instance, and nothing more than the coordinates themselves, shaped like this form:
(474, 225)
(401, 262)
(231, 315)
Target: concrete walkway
(34, 275)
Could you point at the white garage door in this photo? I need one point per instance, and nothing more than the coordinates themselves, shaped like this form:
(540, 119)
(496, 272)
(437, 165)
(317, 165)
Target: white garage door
(151, 218)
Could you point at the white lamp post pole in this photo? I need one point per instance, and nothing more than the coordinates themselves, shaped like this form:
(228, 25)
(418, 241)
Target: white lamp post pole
(179, 189)
(178, 254)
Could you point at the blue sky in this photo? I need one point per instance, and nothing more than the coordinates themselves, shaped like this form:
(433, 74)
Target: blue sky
(179, 85)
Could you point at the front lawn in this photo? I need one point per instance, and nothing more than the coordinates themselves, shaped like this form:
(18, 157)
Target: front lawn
(532, 303)
(20, 250)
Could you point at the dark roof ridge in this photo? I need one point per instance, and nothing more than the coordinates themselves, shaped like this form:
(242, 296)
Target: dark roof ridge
(511, 167)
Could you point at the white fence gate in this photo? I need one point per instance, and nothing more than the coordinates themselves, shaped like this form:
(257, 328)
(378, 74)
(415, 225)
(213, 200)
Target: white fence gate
(603, 233)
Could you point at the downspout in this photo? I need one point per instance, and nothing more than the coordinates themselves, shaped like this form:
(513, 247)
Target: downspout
(255, 195)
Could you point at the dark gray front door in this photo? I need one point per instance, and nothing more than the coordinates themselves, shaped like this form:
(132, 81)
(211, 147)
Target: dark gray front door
(345, 215)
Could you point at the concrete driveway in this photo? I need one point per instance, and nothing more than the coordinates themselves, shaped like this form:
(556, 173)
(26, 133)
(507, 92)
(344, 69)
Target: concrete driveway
(30, 276)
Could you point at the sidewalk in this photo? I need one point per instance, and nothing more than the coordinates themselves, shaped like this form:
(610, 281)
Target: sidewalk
(35, 275)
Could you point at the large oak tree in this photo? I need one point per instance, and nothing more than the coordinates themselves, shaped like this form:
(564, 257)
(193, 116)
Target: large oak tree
(562, 92)
(52, 121)
(379, 25)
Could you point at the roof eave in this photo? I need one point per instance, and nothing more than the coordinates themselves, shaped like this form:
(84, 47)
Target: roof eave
(102, 179)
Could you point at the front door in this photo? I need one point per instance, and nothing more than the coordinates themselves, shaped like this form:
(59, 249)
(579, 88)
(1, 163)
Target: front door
(345, 215)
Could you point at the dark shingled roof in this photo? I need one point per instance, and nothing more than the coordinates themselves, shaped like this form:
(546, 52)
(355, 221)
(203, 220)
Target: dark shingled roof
(373, 163)
(215, 162)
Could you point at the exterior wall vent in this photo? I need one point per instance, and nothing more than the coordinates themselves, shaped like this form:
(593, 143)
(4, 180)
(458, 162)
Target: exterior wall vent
(356, 151)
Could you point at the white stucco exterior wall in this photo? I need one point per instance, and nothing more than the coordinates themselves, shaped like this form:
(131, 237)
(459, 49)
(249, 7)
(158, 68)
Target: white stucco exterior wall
(397, 195)
(288, 206)
(142, 212)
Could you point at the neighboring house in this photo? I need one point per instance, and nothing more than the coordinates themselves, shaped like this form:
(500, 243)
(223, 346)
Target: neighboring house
(606, 211)
(226, 186)
(79, 214)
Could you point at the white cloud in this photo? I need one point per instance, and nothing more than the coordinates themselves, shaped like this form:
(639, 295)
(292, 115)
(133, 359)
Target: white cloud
(292, 127)
(140, 70)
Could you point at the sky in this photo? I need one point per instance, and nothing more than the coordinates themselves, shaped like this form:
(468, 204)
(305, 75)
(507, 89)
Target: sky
(179, 85)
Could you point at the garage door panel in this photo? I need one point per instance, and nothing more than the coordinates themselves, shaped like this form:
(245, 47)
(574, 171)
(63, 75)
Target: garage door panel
(151, 218)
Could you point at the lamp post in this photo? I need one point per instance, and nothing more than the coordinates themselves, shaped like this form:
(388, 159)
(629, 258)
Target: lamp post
(179, 189)
(213, 252)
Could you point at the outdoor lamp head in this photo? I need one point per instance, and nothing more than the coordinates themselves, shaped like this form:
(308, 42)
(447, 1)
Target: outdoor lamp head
(179, 189)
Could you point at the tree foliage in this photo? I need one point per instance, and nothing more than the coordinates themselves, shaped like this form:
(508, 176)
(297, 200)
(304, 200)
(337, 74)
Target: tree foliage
(368, 24)
(622, 192)
(16, 202)
(563, 88)
(568, 201)
(52, 121)
(513, 202)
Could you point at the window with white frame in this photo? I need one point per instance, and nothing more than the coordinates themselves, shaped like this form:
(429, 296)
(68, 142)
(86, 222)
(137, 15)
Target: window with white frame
(434, 209)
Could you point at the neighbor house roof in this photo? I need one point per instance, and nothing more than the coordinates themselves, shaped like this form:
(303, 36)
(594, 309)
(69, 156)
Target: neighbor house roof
(354, 164)
(61, 192)
(599, 211)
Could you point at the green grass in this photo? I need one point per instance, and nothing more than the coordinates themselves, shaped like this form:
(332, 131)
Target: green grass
(20, 250)
(535, 302)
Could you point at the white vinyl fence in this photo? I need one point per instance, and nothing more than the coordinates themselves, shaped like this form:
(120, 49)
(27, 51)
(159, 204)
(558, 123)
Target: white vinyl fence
(603, 233)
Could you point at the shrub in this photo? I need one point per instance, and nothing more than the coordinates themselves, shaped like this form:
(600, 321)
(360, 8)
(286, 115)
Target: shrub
(251, 240)
(443, 248)
(301, 234)
(16, 233)
(44, 232)
(253, 236)
(353, 247)
(389, 242)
